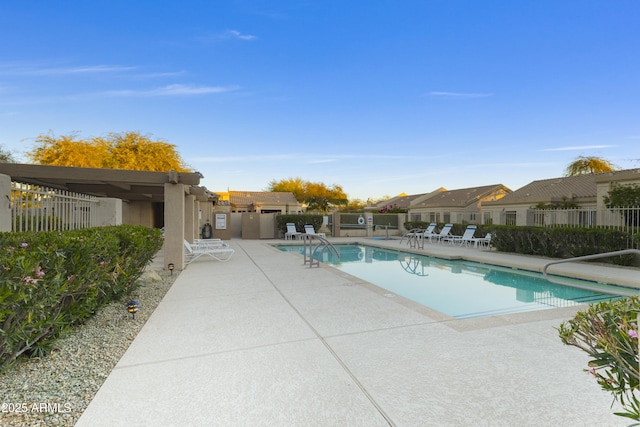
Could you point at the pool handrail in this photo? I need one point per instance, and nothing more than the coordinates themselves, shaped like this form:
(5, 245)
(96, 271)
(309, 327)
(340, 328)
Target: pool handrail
(584, 258)
(324, 244)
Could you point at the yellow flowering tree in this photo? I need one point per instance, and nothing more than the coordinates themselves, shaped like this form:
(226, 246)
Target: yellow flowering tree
(129, 150)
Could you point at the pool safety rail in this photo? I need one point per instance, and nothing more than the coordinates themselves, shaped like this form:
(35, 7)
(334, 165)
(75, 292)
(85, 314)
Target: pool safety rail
(585, 258)
(415, 238)
(314, 246)
(386, 229)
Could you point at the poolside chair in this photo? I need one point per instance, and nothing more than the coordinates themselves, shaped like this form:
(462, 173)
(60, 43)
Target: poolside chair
(428, 232)
(291, 233)
(207, 243)
(482, 242)
(417, 238)
(195, 251)
(210, 242)
(308, 229)
(465, 238)
(446, 231)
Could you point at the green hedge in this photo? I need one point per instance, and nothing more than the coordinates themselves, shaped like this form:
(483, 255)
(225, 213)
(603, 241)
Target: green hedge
(553, 242)
(50, 281)
(300, 220)
(561, 242)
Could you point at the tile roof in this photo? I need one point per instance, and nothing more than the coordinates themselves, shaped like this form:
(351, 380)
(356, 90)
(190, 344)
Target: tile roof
(461, 197)
(266, 197)
(626, 174)
(402, 202)
(554, 189)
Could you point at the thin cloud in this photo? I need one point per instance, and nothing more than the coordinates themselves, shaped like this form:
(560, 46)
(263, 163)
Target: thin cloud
(458, 95)
(17, 69)
(227, 35)
(320, 161)
(159, 75)
(578, 148)
(233, 159)
(307, 158)
(173, 90)
(92, 69)
(233, 34)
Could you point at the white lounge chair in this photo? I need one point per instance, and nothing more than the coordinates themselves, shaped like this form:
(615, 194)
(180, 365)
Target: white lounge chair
(210, 242)
(465, 238)
(428, 232)
(482, 242)
(195, 251)
(446, 231)
(308, 229)
(291, 233)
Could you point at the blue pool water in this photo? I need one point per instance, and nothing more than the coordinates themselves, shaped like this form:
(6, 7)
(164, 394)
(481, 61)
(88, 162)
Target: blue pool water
(461, 289)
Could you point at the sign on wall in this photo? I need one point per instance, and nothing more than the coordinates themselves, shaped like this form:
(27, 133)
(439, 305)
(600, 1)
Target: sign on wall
(221, 221)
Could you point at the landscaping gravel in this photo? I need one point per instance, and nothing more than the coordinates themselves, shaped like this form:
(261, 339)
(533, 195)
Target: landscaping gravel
(56, 389)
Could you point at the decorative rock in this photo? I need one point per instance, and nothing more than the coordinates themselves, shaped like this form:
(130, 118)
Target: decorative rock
(56, 389)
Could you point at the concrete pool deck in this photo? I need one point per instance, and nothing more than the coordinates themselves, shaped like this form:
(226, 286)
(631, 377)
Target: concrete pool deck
(263, 340)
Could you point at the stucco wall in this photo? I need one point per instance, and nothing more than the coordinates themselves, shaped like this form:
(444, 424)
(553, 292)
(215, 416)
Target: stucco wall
(137, 213)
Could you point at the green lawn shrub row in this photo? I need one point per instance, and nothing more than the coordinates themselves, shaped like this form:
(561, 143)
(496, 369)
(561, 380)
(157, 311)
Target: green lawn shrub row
(50, 281)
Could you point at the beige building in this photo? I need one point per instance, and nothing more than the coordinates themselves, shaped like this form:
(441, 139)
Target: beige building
(461, 206)
(261, 202)
(515, 208)
(403, 200)
(583, 192)
(606, 181)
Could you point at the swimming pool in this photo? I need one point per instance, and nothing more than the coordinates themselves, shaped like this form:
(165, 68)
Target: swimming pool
(458, 288)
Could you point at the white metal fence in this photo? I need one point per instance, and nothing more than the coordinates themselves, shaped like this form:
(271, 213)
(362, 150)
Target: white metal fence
(625, 219)
(38, 208)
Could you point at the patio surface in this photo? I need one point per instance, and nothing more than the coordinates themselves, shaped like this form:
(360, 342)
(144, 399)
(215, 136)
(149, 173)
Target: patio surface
(263, 340)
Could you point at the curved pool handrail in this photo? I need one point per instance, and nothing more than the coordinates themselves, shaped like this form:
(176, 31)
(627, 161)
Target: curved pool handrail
(585, 258)
(324, 244)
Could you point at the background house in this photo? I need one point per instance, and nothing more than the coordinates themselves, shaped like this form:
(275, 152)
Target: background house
(403, 200)
(606, 181)
(261, 202)
(516, 207)
(461, 206)
(569, 200)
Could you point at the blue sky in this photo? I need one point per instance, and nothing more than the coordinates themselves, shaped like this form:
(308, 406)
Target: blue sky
(380, 97)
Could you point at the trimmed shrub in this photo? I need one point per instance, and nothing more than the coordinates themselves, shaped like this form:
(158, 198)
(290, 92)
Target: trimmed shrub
(300, 220)
(50, 281)
(561, 242)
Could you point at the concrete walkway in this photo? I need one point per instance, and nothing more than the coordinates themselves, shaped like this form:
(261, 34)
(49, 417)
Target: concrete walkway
(263, 340)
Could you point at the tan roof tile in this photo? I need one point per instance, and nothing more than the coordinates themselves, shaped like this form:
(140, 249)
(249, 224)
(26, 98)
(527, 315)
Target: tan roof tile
(554, 189)
(268, 197)
(402, 202)
(461, 197)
